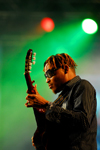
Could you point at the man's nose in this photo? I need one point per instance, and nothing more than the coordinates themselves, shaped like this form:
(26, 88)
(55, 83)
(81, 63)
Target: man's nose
(47, 80)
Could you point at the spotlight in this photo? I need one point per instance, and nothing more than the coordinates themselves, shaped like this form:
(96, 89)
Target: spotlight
(89, 26)
(47, 24)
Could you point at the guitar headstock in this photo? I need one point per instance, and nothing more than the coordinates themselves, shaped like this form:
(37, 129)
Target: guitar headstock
(30, 58)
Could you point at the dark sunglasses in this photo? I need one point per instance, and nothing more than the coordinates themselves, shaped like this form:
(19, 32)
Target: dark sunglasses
(50, 73)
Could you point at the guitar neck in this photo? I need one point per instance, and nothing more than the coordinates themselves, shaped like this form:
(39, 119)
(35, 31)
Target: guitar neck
(29, 83)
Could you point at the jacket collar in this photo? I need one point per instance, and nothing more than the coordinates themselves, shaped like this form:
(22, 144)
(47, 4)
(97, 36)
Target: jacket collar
(73, 81)
(68, 85)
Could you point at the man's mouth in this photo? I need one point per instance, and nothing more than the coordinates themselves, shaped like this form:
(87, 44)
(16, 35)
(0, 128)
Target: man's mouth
(50, 86)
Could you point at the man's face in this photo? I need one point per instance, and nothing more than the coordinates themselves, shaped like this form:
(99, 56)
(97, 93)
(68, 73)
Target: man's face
(56, 81)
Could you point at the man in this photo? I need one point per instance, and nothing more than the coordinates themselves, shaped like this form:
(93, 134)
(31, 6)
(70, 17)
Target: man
(69, 123)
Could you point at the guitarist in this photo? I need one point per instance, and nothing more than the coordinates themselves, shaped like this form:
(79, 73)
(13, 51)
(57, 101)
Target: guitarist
(68, 123)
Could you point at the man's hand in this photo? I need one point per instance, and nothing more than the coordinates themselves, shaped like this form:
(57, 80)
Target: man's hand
(33, 142)
(35, 100)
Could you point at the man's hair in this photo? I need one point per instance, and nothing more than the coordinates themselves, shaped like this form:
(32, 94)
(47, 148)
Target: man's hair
(60, 60)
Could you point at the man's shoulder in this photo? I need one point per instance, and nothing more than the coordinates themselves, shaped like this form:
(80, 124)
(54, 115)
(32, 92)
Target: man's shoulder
(85, 87)
(86, 84)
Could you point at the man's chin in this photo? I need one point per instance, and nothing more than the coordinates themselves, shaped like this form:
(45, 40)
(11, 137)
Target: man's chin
(55, 91)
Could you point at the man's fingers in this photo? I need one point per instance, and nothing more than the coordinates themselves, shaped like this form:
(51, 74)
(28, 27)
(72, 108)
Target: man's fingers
(36, 89)
(27, 104)
(29, 96)
(32, 138)
(33, 145)
(33, 142)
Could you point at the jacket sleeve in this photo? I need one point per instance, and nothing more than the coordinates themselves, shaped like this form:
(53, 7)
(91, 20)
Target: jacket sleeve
(84, 108)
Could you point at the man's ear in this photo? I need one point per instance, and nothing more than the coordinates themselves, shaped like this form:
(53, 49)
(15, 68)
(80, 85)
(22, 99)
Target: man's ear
(66, 67)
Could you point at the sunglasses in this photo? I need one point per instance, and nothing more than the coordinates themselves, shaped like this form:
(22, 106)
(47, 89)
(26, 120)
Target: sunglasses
(49, 73)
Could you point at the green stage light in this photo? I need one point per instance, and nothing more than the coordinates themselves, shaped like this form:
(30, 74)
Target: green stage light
(89, 26)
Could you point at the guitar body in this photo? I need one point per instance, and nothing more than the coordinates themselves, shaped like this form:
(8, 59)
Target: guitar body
(39, 113)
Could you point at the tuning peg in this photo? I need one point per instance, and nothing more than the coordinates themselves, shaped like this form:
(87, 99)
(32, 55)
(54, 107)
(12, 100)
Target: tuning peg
(34, 54)
(30, 67)
(34, 58)
(33, 62)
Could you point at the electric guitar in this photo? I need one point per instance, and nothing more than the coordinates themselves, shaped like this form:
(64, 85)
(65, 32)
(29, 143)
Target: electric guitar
(39, 113)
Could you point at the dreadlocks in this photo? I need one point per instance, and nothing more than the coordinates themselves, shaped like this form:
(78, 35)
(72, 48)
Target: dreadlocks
(60, 60)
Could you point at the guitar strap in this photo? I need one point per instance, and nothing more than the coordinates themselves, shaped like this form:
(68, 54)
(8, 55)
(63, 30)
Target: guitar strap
(59, 101)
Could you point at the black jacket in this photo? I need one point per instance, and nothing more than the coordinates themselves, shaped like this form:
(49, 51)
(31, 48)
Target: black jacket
(70, 121)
